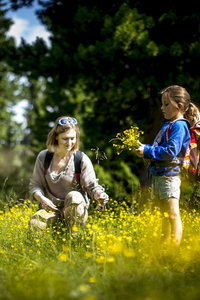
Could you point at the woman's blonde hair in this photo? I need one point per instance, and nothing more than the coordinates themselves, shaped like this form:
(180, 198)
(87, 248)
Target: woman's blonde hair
(52, 142)
(179, 94)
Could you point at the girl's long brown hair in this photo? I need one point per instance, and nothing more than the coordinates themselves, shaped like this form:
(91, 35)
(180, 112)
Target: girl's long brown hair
(180, 95)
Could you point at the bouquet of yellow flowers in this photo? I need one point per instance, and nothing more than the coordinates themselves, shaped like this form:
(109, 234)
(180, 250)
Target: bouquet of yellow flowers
(128, 139)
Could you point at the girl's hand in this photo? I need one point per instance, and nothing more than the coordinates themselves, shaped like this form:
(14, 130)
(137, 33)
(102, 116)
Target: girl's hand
(140, 150)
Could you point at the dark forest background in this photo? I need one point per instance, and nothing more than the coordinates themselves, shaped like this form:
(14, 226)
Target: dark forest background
(106, 65)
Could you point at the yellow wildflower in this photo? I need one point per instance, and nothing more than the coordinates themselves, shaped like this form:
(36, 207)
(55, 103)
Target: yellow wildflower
(63, 257)
(110, 259)
(166, 215)
(128, 139)
(100, 259)
(84, 288)
(88, 254)
(92, 280)
(75, 228)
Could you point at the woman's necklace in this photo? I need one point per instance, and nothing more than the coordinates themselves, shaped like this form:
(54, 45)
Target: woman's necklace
(61, 162)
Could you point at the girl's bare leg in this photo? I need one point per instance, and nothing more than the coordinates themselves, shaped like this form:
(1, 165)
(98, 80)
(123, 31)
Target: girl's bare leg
(171, 224)
(175, 221)
(166, 225)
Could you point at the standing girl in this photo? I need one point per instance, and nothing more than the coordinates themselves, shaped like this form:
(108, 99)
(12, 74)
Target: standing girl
(166, 155)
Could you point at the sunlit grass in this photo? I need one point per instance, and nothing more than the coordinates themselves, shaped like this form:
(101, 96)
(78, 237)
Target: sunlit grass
(116, 255)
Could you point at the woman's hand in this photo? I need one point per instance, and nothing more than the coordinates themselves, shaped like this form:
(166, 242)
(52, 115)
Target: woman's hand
(47, 204)
(140, 150)
(101, 197)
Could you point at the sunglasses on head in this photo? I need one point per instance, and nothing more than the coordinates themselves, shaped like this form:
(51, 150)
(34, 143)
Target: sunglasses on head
(65, 121)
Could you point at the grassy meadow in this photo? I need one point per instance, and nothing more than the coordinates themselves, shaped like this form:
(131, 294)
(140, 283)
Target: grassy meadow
(116, 255)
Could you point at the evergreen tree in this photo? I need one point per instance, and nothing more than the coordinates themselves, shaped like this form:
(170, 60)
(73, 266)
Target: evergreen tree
(11, 133)
(106, 65)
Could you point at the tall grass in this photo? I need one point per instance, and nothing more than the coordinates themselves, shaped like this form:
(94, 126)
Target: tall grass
(116, 255)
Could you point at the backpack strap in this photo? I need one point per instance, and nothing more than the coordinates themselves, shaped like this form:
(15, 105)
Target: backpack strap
(47, 161)
(170, 126)
(168, 131)
(77, 164)
(196, 127)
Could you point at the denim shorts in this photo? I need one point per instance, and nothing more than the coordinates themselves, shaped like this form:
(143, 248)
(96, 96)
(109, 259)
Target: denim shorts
(166, 187)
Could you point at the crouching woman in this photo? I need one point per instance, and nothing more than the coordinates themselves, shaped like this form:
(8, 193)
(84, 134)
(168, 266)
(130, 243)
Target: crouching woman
(63, 178)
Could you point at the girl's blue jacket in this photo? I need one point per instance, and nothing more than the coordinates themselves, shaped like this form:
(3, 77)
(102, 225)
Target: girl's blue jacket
(167, 152)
